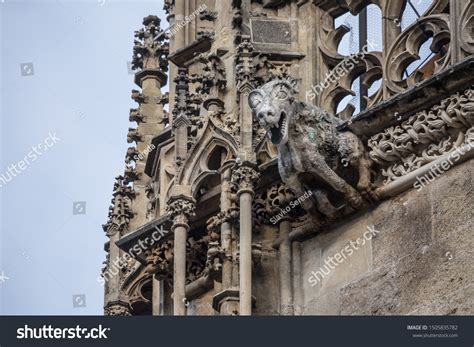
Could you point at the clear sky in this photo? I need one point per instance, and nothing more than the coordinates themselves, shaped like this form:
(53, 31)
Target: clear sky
(77, 92)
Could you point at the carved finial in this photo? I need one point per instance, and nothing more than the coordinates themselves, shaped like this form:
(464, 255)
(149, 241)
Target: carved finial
(150, 51)
(180, 110)
(244, 66)
(120, 211)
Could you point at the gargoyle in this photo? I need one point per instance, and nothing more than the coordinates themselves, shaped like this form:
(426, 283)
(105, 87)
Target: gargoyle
(312, 153)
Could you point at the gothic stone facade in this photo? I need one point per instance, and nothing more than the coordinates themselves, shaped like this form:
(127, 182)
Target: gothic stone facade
(332, 212)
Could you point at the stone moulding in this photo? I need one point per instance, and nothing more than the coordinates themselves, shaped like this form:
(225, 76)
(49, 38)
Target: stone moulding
(424, 137)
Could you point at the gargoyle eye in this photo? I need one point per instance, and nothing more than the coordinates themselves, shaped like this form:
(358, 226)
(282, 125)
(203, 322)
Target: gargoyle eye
(255, 100)
(281, 94)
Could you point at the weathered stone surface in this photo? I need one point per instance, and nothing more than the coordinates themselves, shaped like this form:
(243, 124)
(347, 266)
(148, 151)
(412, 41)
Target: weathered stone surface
(372, 295)
(265, 286)
(327, 304)
(323, 298)
(405, 227)
(452, 197)
(422, 255)
(202, 306)
(271, 31)
(414, 282)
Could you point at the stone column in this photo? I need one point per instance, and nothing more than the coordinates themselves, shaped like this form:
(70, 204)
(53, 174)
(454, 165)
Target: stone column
(298, 299)
(455, 10)
(179, 272)
(180, 208)
(157, 296)
(226, 231)
(245, 176)
(286, 293)
(226, 302)
(179, 14)
(180, 116)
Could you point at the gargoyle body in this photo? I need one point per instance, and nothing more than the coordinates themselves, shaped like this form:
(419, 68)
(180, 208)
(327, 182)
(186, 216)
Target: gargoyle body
(312, 153)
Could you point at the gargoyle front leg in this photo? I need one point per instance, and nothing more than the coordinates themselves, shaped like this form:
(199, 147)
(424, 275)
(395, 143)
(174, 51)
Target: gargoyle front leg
(360, 161)
(365, 184)
(338, 184)
(308, 204)
(324, 205)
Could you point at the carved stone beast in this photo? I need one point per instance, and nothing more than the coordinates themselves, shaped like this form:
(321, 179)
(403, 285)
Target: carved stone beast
(312, 153)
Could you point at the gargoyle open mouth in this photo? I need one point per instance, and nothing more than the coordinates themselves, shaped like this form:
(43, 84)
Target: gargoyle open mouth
(278, 132)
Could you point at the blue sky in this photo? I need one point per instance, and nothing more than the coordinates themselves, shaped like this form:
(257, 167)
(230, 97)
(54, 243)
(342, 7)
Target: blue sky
(80, 93)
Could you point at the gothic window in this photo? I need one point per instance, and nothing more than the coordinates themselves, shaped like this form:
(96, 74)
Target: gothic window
(372, 50)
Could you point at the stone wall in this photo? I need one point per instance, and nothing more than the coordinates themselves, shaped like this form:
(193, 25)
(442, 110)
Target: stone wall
(420, 261)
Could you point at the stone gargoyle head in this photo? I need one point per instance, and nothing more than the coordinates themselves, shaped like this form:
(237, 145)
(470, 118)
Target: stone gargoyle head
(272, 105)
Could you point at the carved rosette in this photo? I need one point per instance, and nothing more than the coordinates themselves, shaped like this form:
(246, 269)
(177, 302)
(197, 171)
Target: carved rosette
(244, 178)
(117, 308)
(423, 137)
(271, 202)
(180, 209)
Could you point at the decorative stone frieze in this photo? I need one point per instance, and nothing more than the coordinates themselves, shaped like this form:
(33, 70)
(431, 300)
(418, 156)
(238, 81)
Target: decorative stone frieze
(423, 137)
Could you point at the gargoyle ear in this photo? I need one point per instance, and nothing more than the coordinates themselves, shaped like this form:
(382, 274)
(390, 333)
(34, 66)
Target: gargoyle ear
(255, 97)
(294, 84)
